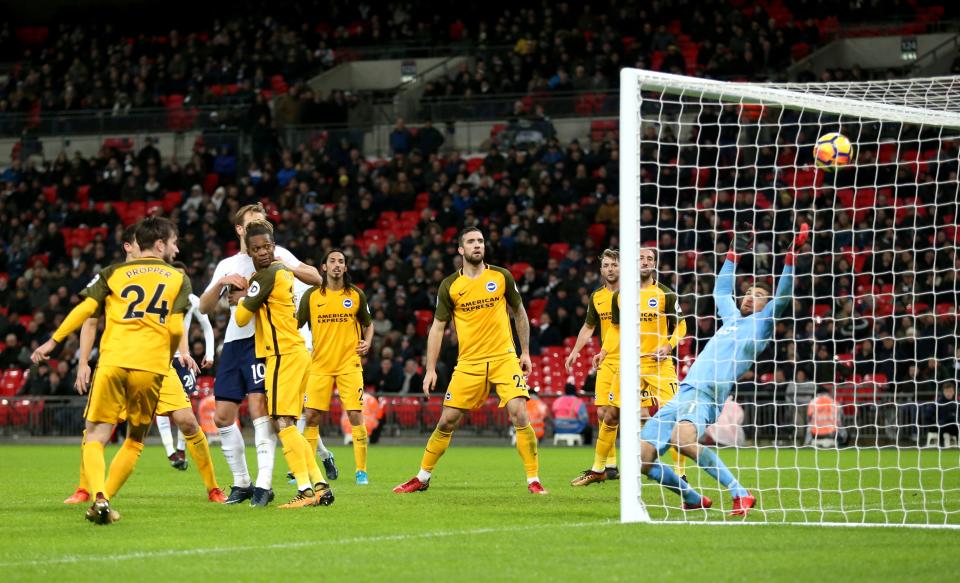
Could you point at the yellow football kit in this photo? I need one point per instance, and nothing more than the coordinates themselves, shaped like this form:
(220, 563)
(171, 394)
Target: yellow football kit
(487, 356)
(144, 301)
(600, 313)
(277, 338)
(336, 320)
(661, 320)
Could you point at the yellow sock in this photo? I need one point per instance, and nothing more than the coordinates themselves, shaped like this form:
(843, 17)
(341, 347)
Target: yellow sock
(122, 466)
(200, 452)
(312, 435)
(360, 447)
(310, 459)
(84, 484)
(93, 466)
(606, 438)
(436, 445)
(527, 446)
(612, 456)
(679, 461)
(293, 444)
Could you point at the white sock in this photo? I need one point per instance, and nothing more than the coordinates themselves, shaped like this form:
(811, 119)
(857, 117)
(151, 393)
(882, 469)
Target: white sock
(166, 435)
(266, 439)
(322, 449)
(181, 442)
(302, 422)
(423, 475)
(533, 479)
(231, 442)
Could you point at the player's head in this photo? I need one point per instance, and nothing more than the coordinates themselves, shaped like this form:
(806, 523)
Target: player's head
(610, 266)
(648, 262)
(470, 245)
(334, 269)
(258, 237)
(157, 237)
(129, 237)
(755, 299)
(247, 214)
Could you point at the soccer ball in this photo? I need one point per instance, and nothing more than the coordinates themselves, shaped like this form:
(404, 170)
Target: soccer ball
(832, 151)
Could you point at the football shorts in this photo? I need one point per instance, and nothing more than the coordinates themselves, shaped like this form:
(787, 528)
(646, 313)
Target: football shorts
(608, 384)
(173, 397)
(349, 386)
(689, 405)
(286, 382)
(471, 383)
(115, 392)
(239, 372)
(658, 382)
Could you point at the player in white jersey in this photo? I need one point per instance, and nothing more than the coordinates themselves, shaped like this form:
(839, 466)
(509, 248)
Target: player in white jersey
(176, 453)
(240, 373)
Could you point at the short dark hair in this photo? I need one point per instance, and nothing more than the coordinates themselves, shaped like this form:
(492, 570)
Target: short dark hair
(153, 229)
(129, 234)
(465, 232)
(179, 265)
(258, 227)
(764, 286)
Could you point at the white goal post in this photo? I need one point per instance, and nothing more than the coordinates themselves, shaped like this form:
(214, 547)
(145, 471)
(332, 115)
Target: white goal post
(875, 289)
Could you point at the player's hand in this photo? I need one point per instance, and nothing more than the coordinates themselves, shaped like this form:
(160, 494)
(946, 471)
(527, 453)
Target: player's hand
(664, 352)
(526, 365)
(742, 242)
(363, 347)
(187, 362)
(798, 241)
(429, 381)
(83, 378)
(571, 358)
(206, 362)
(43, 351)
(234, 280)
(598, 359)
(234, 297)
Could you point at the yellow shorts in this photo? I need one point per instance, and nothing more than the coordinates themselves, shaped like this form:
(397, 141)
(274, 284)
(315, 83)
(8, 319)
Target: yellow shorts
(658, 382)
(286, 382)
(349, 385)
(608, 384)
(172, 396)
(471, 383)
(117, 392)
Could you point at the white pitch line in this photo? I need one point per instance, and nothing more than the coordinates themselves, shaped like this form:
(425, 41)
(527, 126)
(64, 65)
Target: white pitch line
(71, 559)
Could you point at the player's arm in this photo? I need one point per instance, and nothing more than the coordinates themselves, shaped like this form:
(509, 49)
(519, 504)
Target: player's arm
(676, 325)
(88, 335)
(94, 295)
(175, 325)
(442, 315)
(211, 296)
(303, 309)
(185, 358)
(308, 274)
(723, 289)
(520, 318)
(208, 340)
(260, 288)
(366, 324)
(784, 293)
(586, 333)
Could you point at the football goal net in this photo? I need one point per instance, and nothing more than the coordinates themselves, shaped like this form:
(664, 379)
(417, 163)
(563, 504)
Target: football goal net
(848, 415)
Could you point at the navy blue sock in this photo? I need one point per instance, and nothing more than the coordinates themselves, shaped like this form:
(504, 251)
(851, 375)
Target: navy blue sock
(713, 465)
(671, 481)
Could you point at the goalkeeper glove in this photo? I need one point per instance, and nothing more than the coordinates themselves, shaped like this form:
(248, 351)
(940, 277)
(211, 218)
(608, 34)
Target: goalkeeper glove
(798, 242)
(741, 244)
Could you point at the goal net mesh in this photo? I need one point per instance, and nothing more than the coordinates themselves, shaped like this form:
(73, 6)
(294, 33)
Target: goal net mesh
(845, 417)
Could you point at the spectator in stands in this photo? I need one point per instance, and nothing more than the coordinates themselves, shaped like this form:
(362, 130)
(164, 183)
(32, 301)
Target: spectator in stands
(429, 139)
(948, 411)
(412, 379)
(10, 357)
(388, 378)
(546, 333)
(401, 140)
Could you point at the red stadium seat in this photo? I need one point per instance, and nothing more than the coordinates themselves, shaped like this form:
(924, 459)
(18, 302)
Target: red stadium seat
(559, 250)
(598, 233)
(518, 268)
(424, 321)
(11, 382)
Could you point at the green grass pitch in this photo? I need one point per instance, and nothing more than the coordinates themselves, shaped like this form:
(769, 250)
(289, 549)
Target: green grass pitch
(477, 522)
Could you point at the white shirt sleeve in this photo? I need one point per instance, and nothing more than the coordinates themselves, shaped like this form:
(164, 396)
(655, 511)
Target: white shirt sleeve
(287, 258)
(204, 320)
(218, 273)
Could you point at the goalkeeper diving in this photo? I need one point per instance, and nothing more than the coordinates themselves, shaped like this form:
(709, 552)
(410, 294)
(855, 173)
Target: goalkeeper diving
(745, 332)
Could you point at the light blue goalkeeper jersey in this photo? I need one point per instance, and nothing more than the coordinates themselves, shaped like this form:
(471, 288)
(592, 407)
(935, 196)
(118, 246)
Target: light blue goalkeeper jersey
(734, 348)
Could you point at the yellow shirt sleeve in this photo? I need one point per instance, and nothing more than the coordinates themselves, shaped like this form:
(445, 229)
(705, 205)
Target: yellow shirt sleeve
(678, 333)
(611, 340)
(242, 315)
(76, 318)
